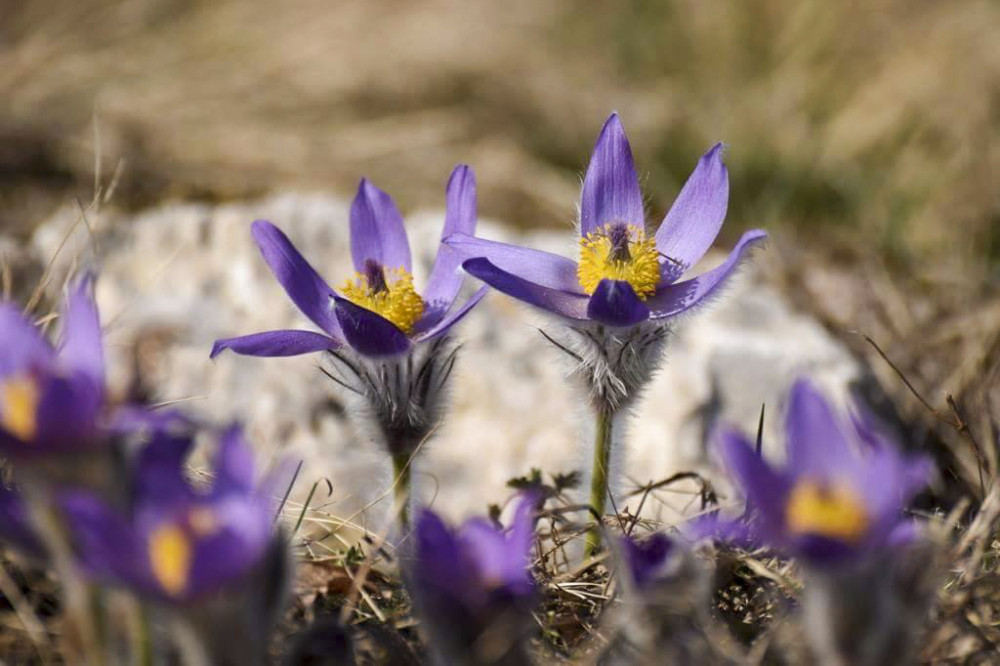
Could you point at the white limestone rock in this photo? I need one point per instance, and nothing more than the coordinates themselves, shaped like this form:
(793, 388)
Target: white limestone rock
(176, 278)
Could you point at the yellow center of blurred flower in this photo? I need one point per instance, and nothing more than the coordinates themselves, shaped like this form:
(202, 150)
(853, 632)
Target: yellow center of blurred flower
(619, 252)
(830, 511)
(386, 292)
(170, 557)
(19, 398)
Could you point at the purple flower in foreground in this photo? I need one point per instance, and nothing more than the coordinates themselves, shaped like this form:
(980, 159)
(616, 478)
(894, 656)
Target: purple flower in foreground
(378, 313)
(842, 490)
(622, 278)
(177, 543)
(51, 398)
(473, 581)
(645, 559)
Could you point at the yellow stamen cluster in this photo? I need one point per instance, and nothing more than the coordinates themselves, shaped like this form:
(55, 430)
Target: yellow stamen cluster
(399, 302)
(170, 557)
(830, 511)
(19, 398)
(641, 270)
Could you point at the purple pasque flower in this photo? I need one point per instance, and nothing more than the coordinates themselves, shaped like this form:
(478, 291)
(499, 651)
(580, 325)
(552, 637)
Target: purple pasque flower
(841, 493)
(623, 277)
(378, 313)
(176, 543)
(645, 559)
(472, 580)
(51, 398)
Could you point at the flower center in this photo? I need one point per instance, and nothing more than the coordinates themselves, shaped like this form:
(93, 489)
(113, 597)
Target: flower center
(170, 557)
(19, 398)
(831, 511)
(619, 252)
(387, 293)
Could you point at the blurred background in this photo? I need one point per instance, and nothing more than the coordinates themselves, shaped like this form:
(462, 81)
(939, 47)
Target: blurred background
(868, 125)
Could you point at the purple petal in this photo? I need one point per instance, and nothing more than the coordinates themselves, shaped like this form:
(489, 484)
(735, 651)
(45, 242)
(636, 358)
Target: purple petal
(240, 542)
(888, 481)
(234, 464)
(646, 558)
(571, 306)
(614, 303)
(368, 333)
(822, 551)
(439, 561)
(497, 563)
(503, 558)
(764, 489)
(522, 527)
(611, 187)
(377, 230)
(23, 344)
(735, 530)
(817, 443)
(445, 324)
(904, 533)
(81, 347)
(276, 343)
(673, 299)
(67, 414)
(107, 546)
(542, 268)
(310, 293)
(446, 278)
(159, 470)
(696, 217)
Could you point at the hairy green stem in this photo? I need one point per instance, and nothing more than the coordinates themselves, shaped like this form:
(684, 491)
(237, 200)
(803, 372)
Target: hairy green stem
(599, 479)
(401, 489)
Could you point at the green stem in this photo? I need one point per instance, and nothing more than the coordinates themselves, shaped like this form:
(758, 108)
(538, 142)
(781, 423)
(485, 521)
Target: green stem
(401, 489)
(599, 479)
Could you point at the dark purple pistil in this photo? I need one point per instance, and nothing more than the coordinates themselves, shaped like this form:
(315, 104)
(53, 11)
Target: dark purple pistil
(375, 277)
(619, 236)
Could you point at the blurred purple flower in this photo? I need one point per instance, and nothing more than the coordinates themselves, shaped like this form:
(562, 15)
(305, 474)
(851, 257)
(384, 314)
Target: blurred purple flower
(378, 313)
(645, 559)
(51, 399)
(474, 580)
(177, 543)
(841, 493)
(623, 278)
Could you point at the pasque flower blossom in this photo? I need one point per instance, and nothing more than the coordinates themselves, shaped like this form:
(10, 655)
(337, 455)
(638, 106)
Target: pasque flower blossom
(378, 313)
(175, 543)
(385, 343)
(841, 493)
(623, 277)
(475, 582)
(52, 398)
(619, 299)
